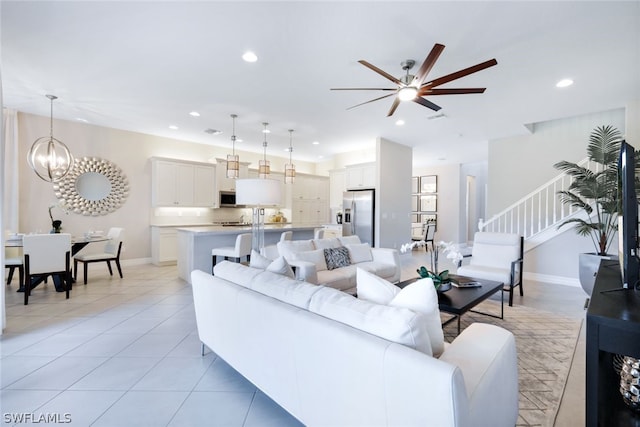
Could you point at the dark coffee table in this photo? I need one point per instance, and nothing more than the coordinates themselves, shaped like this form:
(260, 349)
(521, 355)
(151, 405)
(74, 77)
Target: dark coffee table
(458, 301)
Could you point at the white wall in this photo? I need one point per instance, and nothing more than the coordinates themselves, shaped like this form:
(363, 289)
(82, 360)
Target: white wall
(520, 164)
(632, 131)
(130, 151)
(393, 194)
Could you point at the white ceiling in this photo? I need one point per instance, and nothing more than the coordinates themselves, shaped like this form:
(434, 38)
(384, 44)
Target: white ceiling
(143, 66)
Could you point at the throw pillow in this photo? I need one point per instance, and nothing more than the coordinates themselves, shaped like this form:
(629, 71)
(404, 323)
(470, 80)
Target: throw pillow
(281, 266)
(421, 296)
(330, 242)
(337, 257)
(349, 240)
(359, 252)
(316, 257)
(258, 261)
(373, 288)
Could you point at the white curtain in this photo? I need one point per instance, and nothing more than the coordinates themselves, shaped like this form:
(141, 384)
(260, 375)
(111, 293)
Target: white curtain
(8, 189)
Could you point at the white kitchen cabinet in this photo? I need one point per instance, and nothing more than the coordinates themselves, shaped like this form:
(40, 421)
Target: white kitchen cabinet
(336, 188)
(164, 245)
(360, 176)
(310, 200)
(204, 186)
(182, 184)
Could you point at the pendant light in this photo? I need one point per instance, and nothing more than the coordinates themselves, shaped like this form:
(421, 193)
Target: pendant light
(290, 168)
(264, 169)
(233, 161)
(49, 158)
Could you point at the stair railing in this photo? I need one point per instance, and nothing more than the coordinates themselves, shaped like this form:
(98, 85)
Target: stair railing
(539, 210)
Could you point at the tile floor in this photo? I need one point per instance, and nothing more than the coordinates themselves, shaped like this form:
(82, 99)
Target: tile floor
(125, 352)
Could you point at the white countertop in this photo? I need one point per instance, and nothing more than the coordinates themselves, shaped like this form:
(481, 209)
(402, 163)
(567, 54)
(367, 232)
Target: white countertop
(219, 229)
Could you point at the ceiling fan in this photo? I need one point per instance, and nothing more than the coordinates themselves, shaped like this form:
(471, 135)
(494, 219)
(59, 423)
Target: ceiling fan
(414, 87)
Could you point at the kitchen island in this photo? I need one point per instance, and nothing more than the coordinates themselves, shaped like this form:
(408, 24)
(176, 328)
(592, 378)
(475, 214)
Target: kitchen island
(195, 243)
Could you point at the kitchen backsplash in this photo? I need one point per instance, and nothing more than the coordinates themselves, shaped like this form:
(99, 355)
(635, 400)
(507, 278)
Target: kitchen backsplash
(207, 216)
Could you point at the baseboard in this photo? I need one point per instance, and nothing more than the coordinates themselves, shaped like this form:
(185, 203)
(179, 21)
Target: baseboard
(557, 280)
(135, 261)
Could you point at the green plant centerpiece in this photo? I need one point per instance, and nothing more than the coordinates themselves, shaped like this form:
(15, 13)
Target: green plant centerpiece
(441, 280)
(594, 191)
(438, 278)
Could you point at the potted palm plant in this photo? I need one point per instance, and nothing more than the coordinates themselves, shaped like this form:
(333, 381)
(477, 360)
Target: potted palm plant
(594, 190)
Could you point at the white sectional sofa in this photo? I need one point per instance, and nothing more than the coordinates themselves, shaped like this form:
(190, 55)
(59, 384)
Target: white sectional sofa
(331, 359)
(308, 258)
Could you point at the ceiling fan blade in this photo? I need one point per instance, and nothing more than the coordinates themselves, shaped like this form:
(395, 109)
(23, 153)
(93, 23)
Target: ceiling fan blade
(395, 104)
(377, 99)
(362, 88)
(428, 64)
(428, 91)
(426, 103)
(458, 74)
(381, 72)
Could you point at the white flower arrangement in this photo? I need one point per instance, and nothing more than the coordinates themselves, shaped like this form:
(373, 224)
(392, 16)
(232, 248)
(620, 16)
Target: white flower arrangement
(450, 249)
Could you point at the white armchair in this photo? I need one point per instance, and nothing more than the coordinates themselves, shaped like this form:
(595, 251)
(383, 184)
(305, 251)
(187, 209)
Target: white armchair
(499, 257)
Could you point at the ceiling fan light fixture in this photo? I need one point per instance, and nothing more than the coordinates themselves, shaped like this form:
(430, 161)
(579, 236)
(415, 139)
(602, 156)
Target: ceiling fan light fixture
(407, 93)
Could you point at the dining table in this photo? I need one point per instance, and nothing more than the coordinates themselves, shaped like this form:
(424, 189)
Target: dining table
(77, 244)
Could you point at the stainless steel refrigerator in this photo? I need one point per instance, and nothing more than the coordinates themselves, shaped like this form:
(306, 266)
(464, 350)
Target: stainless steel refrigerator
(358, 214)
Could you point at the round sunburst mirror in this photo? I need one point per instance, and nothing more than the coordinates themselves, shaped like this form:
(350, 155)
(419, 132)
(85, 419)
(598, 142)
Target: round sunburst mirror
(93, 187)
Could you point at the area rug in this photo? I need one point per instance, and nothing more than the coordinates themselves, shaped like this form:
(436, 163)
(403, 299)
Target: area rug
(545, 343)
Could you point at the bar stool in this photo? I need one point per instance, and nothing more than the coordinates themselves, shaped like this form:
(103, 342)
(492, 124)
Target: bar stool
(241, 249)
(286, 235)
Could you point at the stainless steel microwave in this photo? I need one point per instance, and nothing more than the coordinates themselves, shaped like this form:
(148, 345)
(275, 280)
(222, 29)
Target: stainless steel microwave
(227, 199)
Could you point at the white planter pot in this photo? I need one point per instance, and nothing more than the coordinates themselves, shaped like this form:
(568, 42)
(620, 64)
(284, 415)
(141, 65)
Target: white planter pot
(588, 265)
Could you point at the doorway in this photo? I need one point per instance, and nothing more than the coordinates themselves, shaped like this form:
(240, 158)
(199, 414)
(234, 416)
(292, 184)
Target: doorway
(471, 208)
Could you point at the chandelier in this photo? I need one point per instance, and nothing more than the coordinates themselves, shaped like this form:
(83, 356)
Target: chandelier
(264, 169)
(290, 168)
(233, 160)
(49, 158)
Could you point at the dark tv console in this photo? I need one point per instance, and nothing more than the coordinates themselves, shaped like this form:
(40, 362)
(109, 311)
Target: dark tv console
(613, 327)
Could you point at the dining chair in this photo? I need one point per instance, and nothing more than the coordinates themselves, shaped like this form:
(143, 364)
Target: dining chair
(14, 260)
(111, 252)
(429, 235)
(242, 248)
(46, 255)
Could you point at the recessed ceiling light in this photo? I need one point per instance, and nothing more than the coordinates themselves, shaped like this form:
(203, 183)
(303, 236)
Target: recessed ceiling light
(82, 120)
(194, 114)
(249, 57)
(564, 83)
(266, 131)
(400, 122)
(238, 140)
(315, 143)
(213, 131)
(321, 157)
(173, 127)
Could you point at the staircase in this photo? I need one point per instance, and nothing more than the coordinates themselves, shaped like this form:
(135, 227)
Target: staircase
(536, 216)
